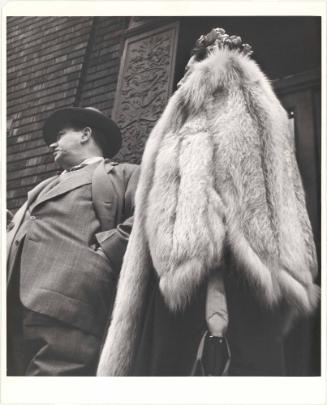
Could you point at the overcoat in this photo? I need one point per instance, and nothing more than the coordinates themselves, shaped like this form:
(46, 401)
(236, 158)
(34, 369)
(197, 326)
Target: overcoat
(62, 276)
(218, 174)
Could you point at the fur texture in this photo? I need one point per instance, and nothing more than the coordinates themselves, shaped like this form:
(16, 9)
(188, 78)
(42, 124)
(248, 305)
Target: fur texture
(219, 167)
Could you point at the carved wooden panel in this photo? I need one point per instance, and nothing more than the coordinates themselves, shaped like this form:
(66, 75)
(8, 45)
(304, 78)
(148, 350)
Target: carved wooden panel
(144, 86)
(137, 21)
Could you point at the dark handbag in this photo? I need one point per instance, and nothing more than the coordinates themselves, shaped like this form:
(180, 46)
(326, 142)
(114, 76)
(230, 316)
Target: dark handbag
(213, 356)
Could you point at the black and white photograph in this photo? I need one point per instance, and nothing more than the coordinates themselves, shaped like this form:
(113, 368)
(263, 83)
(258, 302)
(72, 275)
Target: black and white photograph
(164, 178)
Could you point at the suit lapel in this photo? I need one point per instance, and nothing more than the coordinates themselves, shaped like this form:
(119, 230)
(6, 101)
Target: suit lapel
(107, 167)
(71, 181)
(20, 214)
(32, 194)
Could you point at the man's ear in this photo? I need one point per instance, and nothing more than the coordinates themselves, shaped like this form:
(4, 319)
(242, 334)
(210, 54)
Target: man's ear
(86, 134)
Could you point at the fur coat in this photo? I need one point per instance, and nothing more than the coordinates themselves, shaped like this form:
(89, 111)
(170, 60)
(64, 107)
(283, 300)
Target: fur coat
(218, 168)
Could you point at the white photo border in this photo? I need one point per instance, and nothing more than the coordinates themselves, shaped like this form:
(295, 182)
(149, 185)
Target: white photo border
(161, 390)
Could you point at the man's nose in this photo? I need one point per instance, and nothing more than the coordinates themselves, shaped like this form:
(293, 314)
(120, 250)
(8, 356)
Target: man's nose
(53, 145)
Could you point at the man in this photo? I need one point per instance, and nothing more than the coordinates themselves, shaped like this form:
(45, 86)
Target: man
(221, 259)
(65, 249)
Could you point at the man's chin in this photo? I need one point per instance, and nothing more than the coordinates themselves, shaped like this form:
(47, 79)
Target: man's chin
(58, 162)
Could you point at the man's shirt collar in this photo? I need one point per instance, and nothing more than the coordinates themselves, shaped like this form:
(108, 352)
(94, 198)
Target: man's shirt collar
(86, 162)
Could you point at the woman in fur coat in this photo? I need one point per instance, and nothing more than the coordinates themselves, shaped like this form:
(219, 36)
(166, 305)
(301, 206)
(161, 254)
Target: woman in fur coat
(220, 196)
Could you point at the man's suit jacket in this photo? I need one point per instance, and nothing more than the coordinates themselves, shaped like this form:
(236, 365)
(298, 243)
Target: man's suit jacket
(62, 274)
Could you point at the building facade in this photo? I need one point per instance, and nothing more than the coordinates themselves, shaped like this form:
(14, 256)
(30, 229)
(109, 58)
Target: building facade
(128, 67)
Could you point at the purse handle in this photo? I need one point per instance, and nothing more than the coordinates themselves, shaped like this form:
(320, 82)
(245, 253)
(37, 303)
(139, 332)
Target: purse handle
(214, 337)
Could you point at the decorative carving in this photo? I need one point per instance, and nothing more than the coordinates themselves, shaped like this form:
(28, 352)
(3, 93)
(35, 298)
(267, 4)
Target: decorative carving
(145, 84)
(137, 21)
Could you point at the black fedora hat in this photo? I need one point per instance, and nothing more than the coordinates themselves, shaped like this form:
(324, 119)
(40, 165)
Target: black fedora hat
(108, 133)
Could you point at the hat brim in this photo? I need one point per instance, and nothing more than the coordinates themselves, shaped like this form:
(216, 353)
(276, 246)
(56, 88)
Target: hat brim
(107, 130)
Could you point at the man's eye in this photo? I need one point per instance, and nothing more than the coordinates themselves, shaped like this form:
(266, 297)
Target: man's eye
(60, 134)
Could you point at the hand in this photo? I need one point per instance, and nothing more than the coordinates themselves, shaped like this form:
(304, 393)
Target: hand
(100, 252)
(98, 249)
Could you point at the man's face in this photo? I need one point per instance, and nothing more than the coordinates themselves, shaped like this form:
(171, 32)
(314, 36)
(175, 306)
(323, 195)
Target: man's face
(67, 149)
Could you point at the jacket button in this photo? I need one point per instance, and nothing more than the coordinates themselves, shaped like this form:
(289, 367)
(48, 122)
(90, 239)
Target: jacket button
(16, 242)
(33, 217)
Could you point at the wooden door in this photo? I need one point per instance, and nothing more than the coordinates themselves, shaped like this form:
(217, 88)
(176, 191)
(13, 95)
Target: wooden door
(300, 95)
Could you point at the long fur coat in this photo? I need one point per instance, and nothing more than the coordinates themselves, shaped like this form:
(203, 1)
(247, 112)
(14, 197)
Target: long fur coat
(218, 168)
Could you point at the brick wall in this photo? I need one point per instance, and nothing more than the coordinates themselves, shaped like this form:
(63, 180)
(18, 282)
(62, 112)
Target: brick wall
(100, 80)
(53, 62)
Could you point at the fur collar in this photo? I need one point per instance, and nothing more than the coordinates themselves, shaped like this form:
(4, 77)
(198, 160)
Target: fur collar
(218, 168)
